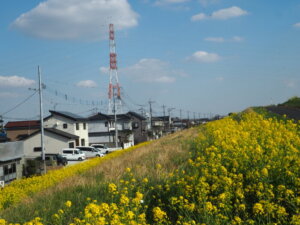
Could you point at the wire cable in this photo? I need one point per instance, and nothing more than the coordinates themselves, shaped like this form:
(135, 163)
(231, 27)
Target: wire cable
(21, 103)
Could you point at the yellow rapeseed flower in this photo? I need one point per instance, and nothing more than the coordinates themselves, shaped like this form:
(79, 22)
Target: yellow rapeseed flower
(68, 204)
(159, 215)
(258, 209)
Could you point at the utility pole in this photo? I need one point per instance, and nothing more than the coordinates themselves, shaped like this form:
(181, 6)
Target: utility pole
(150, 104)
(194, 117)
(188, 122)
(115, 115)
(164, 111)
(41, 119)
(169, 112)
(180, 111)
(1, 125)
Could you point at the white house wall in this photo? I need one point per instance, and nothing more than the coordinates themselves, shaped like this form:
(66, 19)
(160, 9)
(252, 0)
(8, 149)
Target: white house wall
(57, 122)
(83, 134)
(98, 126)
(53, 144)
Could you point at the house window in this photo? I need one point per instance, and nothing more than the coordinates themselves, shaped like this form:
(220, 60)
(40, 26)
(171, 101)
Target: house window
(77, 142)
(77, 126)
(37, 149)
(135, 125)
(82, 142)
(71, 145)
(106, 124)
(84, 126)
(65, 125)
(10, 172)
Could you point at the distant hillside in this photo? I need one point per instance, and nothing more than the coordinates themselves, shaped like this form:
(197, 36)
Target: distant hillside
(290, 109)
(292, 102)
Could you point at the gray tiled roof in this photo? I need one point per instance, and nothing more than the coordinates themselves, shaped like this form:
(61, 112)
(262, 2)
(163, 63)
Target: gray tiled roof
(68, 115)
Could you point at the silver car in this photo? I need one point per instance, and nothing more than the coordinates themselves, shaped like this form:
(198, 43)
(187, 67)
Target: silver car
(90, 151)
(73, 154)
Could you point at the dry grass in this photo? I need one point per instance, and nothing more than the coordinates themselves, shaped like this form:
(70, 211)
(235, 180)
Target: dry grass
(142, 160)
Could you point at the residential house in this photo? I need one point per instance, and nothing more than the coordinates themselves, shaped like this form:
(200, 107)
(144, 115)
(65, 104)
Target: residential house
(178, 124)
(18, 129)
(69, 123)
(139, 127)
(167, 123)
(102, 130)
(156, 128)
(11, 161)
(54, 141)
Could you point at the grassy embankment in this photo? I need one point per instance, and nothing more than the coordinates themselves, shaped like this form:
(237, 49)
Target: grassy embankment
(243, 169)
(170, 152)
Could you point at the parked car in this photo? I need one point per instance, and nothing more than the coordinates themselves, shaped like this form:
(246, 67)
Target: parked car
(90, 151)
(104, 149)
(52, 157)
(101, 147)
(73, 154)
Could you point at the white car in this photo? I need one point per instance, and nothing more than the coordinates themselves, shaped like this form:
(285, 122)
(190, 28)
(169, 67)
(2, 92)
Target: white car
(73, 154)
(101, 147)
(90, 151)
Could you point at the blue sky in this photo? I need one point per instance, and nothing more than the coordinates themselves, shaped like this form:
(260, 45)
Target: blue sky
(202, 56)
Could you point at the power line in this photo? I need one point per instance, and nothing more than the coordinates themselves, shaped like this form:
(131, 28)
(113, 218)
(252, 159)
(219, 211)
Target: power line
(19, 104)
(73, 99)
(131, 100)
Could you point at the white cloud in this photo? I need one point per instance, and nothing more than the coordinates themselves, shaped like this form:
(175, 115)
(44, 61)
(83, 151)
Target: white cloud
(15, 81)
(86, 84)
(297, 25)
(168, 2)
(290, 83)
(197, 17)
(104, 70)
(152, 71)
(237, 39)
(207, 2)
(215, 39)
(222, 14)
(219, 79)
(204, 57)
(76, 19)
(228, 13)
(164, 79)
(221, 39)
(8, 95)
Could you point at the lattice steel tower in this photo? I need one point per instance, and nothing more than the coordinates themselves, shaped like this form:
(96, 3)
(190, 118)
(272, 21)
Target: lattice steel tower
(114, 89)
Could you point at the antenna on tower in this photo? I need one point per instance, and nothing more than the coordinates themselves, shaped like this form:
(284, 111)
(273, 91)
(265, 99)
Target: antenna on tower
(114, 89)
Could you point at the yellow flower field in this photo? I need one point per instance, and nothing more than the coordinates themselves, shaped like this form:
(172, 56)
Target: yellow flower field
(19, 189)
(243, 169)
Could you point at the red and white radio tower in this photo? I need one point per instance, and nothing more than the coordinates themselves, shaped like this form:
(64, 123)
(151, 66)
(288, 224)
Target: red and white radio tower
(114, 90)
